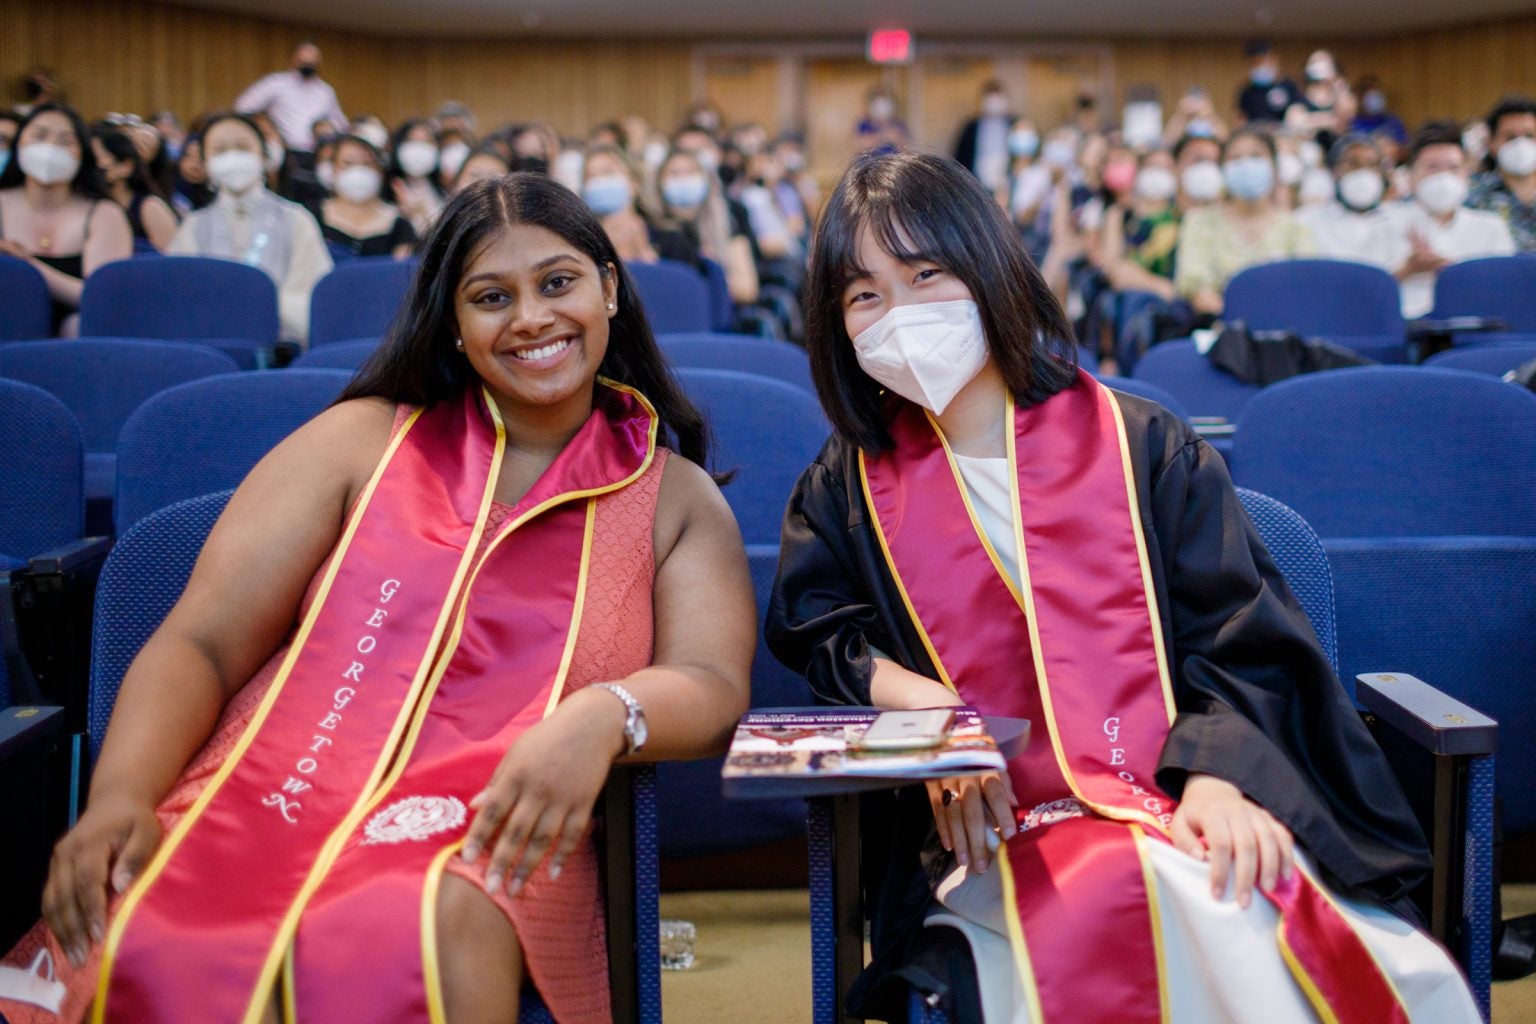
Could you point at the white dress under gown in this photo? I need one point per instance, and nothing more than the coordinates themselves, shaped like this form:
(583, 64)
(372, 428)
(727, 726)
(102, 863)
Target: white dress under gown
(1222, 961)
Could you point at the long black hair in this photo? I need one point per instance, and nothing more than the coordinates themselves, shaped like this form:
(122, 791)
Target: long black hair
(919, 206)
(120, 147)
(87, 180)
(417, 363)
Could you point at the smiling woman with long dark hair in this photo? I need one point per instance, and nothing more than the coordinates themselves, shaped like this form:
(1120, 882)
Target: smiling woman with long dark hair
(991, 526)
(422, 631)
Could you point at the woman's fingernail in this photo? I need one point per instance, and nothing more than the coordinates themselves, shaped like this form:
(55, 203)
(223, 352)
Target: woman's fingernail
(470, 853)
(476, 800)
(96, 931)
(492, 881)
(963, 858)
(516, 886)
(554, 872)
(121, 880)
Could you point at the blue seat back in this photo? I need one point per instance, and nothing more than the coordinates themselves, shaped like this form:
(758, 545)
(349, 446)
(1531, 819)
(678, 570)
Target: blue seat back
(42, 503)
(1332, 299)
(205, 436)
(180, 297)
(1300, 557)
(744, 353)
(675, 296)
(1149, 391)
(1394, 452)
(338, 355)
(24, 299)
(1501, 287)
(1495, 357)
(359, 299)
(722, 309)
(768, 432)
(1178, 368)
(144, 576)
(103, 380)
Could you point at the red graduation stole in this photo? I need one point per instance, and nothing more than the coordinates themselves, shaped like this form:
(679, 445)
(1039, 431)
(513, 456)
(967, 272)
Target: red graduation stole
(391, 647)
(1078, 646)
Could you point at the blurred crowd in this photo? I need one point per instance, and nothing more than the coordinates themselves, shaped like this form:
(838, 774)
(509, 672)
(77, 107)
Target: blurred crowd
(1138, 217)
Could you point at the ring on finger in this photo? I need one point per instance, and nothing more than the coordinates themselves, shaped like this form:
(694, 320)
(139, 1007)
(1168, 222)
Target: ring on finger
(950, 796)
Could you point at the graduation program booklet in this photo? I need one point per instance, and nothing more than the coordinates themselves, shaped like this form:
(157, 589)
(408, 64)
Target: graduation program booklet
(805, 751)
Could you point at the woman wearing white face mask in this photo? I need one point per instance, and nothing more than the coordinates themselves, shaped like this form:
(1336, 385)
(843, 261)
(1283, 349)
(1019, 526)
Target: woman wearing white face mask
(356, 221)
(251, 225)
(1246, 229)
(613, 188)
(1508, 186)
(417, 174)
(1435, 228)
(1140, 238)
(1355, 224)
(53, 213)
(991, 526)
(691, 198)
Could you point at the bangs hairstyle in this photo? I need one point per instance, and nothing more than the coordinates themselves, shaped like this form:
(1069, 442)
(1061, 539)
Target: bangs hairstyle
(418, 364)
(924, 207)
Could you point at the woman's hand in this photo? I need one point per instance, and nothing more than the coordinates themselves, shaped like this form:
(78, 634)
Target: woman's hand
(963, 820)
(1214, 820)
(539, 800)
(115, 837)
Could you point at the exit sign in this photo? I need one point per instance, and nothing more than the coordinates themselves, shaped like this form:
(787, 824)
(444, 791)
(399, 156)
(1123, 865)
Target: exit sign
(890, 46)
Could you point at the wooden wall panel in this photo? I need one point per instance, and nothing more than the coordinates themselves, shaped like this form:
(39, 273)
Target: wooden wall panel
(142, 55)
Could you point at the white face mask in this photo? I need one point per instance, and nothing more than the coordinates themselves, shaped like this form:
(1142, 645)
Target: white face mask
(1156, 184)
(1311, 153)
(568, 169)
(994, 105)
(359, 183)
(926, 353)
(1517, 157)
(1441, 193)
(325, 174)
(654, 154)
(46, 163)
(1291, 169)
(276, 154)
(452, 157)
(1316, 187)
(1203, 181)
(235, 170)
(1362, 189)
(417, 159)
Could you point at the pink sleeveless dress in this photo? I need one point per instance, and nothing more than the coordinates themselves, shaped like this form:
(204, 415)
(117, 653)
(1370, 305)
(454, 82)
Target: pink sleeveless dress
(559, 924)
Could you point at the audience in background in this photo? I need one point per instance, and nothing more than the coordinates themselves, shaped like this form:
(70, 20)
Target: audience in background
(357, 222)
(53, 213)
(1374, 117)
(415, 172)
(1248, 228)
(192, 189)
(251, 225)
(881, 129)
(1327, 106)
(1141, 231)
(295, 99)
(982, 147)
(692, 198)
(489, 160)
(1267, 95)
(1355, 225)
(1436, 229)
(614, 189)
(1508, 187)
(10, 124)
(1195, 115)
(127, 183)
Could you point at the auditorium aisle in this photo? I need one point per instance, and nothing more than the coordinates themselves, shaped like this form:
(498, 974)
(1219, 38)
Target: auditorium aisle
(754, 960)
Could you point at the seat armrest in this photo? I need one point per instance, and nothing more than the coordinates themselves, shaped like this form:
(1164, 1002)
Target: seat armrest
(631, 875)
(1427, 717)
(71, 556)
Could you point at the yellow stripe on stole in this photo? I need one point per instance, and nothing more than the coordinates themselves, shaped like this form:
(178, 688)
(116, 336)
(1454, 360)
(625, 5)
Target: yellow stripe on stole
(1016, 941)
(157, 865)
(1154, 913)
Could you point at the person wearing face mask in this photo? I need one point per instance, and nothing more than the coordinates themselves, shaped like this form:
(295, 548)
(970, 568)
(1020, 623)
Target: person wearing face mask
(881, 129)
(983, 146)
(1327, 106)
(1197, 160)
(53, 213)
(1355, 225)
(1508, 187)
(1266, 95)
(295, 99)
(1028, 185)
(789, 149)
(707, 152)
(1374, 116)
(613, 188)
(1436, 229)
(416, 177)
(693, 201)
(1195, 115)
(356, 221)
(991, 526)
(1247, 228)
(127, 183)
(251, 225)
(1141, 230)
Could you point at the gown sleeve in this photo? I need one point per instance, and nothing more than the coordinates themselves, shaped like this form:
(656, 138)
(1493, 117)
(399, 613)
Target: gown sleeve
(1258, 701)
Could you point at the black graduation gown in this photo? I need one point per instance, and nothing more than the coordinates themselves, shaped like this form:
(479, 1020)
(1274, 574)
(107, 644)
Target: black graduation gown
(1258, 703)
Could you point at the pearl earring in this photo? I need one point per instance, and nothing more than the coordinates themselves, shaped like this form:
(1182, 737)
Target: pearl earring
(610, 306)
(458, 343)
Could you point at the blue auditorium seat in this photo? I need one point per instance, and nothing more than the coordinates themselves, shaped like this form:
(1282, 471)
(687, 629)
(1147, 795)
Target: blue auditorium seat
(1149, 391)
(102, 381)
(358, 299)
(24, 298)
(741, 352)
(338, 355)
(1497, 287)
(1422, 484)
(722, 309)
(1350, 304)
(1492, 357)
(674, 295)
(1207, 392)
(42, 476)
(143, 579)
(206, 436)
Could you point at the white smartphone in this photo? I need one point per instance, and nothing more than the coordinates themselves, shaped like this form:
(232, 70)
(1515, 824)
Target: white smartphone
(906, 730)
